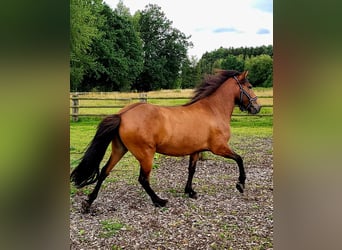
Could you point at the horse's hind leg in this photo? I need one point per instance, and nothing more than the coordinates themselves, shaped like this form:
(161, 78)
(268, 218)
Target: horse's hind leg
(92, 196)
(144, 179)
(192, 168)
(118, 151)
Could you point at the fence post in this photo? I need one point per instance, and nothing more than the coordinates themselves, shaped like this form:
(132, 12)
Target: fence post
(143, 97)
(75, 108)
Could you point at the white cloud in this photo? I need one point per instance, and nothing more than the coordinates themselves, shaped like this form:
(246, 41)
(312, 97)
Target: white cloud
(263, 5)
(201, 19)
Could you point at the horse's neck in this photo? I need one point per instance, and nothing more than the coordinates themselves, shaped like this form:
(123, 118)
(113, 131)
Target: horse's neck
(222, 101)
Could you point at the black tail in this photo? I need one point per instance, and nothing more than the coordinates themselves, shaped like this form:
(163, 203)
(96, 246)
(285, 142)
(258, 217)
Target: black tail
(87, 171)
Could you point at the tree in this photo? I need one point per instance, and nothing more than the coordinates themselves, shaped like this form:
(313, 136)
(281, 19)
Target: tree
(165, 49)
(190, 75)
(233, 62)
(233, 58)
(260, 70)
(85, 21)
(206, 63)
(119, 53)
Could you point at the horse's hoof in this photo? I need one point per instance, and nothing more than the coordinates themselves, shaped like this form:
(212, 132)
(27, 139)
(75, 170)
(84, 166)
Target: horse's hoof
(240, 187)
(160, 203)
(193, 195)
(85, 207)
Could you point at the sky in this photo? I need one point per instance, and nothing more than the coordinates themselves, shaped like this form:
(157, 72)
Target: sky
(215, 23)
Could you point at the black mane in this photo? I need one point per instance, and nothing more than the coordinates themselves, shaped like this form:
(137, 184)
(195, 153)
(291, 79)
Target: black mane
(211, 83)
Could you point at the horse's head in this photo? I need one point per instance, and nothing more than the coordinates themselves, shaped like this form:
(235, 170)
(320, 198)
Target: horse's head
(247, 99)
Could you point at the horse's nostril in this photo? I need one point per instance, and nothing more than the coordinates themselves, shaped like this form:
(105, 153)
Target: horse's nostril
(255, 109)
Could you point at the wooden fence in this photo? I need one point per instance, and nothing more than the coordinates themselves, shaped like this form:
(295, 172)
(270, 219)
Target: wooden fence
(76, 98)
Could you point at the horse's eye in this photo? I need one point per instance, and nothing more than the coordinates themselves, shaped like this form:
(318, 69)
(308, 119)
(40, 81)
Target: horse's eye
(250, 86)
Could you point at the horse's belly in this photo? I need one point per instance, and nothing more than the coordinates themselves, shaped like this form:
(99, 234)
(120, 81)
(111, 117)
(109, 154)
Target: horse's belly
(181, 147)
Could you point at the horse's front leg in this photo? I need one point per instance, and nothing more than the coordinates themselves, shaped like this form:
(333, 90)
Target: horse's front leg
(242, 175)
(226, 152)
(192, 168)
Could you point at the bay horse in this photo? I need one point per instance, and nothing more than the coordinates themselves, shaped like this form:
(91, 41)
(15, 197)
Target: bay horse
(202, 124)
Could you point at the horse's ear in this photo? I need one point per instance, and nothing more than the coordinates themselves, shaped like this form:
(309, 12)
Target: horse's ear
(243, 75)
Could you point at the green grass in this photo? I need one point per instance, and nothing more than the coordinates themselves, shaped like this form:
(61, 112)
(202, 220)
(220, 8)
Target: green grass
(252, 126)
(81, 133)
(110, 228)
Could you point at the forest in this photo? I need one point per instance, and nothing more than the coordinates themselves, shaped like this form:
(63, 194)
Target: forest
(112, 50)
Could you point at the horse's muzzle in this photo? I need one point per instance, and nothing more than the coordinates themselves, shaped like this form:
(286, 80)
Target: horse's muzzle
(254, 109)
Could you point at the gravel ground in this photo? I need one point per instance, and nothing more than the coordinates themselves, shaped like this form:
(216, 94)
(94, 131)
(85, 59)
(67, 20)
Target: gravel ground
(123, 217)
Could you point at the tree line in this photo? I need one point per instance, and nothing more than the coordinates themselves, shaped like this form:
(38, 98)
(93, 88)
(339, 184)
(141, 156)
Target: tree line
(112, 50)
